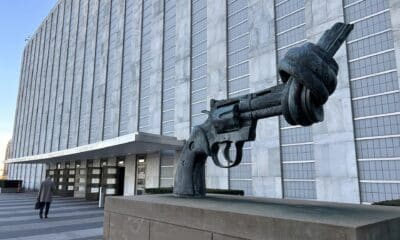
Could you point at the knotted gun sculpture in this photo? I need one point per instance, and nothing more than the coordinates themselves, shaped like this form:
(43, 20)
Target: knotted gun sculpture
(308, 74)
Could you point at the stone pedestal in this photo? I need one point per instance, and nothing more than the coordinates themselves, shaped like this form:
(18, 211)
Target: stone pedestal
(164, 217)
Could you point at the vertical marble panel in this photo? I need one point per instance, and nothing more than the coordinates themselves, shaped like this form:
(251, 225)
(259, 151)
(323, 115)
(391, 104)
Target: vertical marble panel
(17, 109)
(112, 102)
(130, 68)
(10, 174)
(39, 137)
(58, 111)
(49, 83)
(28, 112)
(88, 73)
(28, 80)
(21, 124)
(216, 177)
(130, 175)
(155, 81)
(19, 173)
(152, 170)
(35, 92)
(16, 171)
(22, 174)
(100, 74)
(79, 67)
(36, 116)
(69, 75)
(57, 38)
(182, 69)
(38, 176)
(44, 170)
(22, 142)
(32, 176)
(20, 104)
(266, 169)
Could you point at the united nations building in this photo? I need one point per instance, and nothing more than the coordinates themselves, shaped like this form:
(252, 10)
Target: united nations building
(110, 90)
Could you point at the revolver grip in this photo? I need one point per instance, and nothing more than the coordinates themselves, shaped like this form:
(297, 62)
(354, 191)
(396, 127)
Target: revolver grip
(190, 173)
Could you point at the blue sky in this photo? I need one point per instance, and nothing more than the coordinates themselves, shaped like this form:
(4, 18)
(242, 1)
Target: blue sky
(18, 20)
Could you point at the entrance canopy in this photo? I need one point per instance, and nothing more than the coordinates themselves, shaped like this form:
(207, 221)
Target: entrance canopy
(136, 143)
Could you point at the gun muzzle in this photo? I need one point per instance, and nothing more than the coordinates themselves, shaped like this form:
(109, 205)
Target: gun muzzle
(301, 97)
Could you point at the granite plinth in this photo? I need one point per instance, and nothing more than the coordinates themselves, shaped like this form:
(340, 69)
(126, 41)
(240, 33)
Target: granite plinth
(156, 217)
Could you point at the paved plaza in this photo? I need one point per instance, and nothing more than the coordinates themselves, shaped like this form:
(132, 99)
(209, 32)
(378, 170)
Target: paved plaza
(69, 218)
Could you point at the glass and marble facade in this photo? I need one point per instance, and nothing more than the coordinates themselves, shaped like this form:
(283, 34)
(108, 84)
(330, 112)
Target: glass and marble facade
(96, 71)
(375, 98)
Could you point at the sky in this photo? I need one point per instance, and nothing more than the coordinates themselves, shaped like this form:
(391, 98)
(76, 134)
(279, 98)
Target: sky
(18, 20)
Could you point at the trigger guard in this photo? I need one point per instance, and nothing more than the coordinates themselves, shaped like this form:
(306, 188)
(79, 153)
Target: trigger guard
(238, 159)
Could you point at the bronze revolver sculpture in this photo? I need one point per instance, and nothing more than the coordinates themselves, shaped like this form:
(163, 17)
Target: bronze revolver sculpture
(308, 74)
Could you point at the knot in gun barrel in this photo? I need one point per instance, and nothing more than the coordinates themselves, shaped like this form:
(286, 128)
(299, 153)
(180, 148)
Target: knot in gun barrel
(310, 76)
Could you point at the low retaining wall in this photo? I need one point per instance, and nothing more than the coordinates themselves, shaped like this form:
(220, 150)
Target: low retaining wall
(9, 190)
(10, 186)
(164, 217)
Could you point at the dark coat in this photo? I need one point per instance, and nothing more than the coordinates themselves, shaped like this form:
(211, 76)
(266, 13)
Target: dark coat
(47, 188)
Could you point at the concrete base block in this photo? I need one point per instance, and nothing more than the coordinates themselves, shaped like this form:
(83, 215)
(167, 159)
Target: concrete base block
(160, 217)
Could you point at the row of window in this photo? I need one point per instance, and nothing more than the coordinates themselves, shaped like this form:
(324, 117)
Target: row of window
(168, 83)
(374, 88)
(296, 142)
(238, 82)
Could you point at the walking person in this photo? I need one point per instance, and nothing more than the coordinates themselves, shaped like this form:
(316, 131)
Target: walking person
(47, 188)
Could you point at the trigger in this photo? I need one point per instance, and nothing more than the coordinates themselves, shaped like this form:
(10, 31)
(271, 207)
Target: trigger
(226, 152)
(205, 112)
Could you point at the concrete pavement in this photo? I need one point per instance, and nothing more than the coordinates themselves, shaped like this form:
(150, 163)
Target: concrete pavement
(69, 219)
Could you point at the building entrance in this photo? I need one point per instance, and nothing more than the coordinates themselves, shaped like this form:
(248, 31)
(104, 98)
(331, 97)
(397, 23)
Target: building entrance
(63, 178)
(93, 182)
(66, 181)
(109, 178)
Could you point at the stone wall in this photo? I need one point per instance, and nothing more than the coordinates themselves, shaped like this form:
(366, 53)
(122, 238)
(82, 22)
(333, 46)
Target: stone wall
(164, 217)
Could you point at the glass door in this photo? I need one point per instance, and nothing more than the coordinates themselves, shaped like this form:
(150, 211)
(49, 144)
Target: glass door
(109, 180)
(70, 180)
(93, 183)
(57, 177)
(66, 181)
